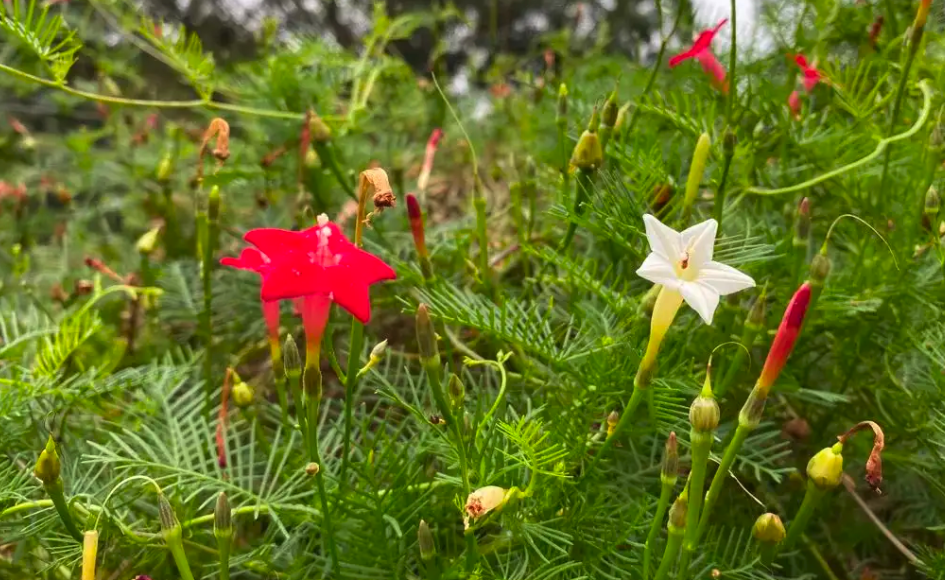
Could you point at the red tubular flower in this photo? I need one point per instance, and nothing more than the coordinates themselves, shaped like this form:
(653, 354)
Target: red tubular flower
(701, 51)
(255, 261)
(786, 336)
(794, 104)
(416, 224)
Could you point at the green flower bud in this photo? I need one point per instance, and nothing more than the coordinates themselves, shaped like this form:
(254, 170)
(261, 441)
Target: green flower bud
(561, 116)
(612, 419)
(756, 316)
(427, 544)
(457, 391)
(164, 169)
(588, 153)
(593, 124)
(146, 243)
(677, 513)
(213, 204)
(669, 468)
(826, 468)
(932, 202)
(802, 224)
(321, 133)
(426, 336)
(768, 529)
(610, 112)
(622, 117)
(242, 393)
(728, 143)
(700, 156)
(754, 407)
(291, 360)
(169, 523)
(379, 350)
(48, 467)
(222, 518)
(704, 414)
(819, 268)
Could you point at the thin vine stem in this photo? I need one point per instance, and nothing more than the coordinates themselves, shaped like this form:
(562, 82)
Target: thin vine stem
(880, 147)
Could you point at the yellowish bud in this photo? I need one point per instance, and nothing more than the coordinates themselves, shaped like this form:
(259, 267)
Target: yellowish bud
(826, 468)
(700, 157)
(48, 466)
(768, 529)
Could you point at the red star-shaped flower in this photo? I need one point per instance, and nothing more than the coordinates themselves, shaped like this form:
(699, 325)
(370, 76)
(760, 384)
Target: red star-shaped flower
(812, 76)
(317, 261)
(701, 50)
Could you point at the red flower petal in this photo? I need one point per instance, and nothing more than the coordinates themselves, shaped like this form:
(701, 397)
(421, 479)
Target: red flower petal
(275, 242)
(352, 294)
(703, 42)
(369, 268)
(249, 259)
(287, 280)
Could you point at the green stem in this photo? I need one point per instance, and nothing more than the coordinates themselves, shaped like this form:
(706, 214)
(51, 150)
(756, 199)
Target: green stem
(224, 551)
(176, 548)
(479, 203)
(749, 333)
(281, 393)
(355, 344)
(893, 119)
(721, 474)
(472, 550)
(315, 454)
(701, 447)
(666, 491)
(720, 196)
(812, 498)
(585, 181)
(432, 368)
(295, 386)
(670, 553)
(881, 146)
(635, 399)
(732, 69)
(205, 255)
(55, 493)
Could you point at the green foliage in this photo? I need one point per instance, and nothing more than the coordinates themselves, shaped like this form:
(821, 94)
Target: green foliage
(102, 344)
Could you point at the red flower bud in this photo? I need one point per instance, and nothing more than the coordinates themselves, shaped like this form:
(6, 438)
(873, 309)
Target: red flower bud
(786, 336)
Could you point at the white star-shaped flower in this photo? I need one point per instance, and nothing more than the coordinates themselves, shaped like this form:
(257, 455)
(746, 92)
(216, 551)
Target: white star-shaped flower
(682, 261)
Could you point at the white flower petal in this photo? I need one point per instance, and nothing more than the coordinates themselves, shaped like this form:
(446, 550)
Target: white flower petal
(701, 298)
(700, 241)
(724, 279)
(663, 239)
(658, 270)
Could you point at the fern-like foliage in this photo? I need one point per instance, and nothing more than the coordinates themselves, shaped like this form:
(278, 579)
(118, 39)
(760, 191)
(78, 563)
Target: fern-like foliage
(45, 36)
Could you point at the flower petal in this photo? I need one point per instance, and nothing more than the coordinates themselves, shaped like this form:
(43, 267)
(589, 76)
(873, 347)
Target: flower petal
(369, 268)
(249, 259)
(274, 242)
(701, 298)
(663, 239)
(293, 280)
(699, 241)
(349, 292)
(658, 270)
(724, 279)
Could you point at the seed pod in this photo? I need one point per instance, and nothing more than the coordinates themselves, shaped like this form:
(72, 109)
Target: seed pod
(669, 469)
(768, 529)
(48, 467)
(222, 518)
(291, 359)
(243, 394)
(426, 336)
(426, 542)
(826, 468)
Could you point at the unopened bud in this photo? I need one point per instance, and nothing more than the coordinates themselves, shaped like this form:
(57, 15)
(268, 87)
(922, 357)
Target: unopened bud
(728, 143)
(669, 468)
(457, 391)
(786, 336)
(768, 529)
(588, 154)
(700, 156)
(242, 393)
(622, 117)
(704, 414)
(561, 113)
(612, 419)
(677, 513)
(426, 336)
(593, 124)
(147, 242)
(379, 350)
(610, 112)
(826, 468)
(222, 518)
(932, 202)
(48, 467)
(291, 360)
(169, 523)
(312, 469)
(802, 224)
(756, 316)
(426, 542)
(164, 169)
(819, 268)
(321, 133)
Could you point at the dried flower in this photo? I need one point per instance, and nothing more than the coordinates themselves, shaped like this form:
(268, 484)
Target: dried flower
(874, 463)
(484, 500)
(220, 130)
(701, 50)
